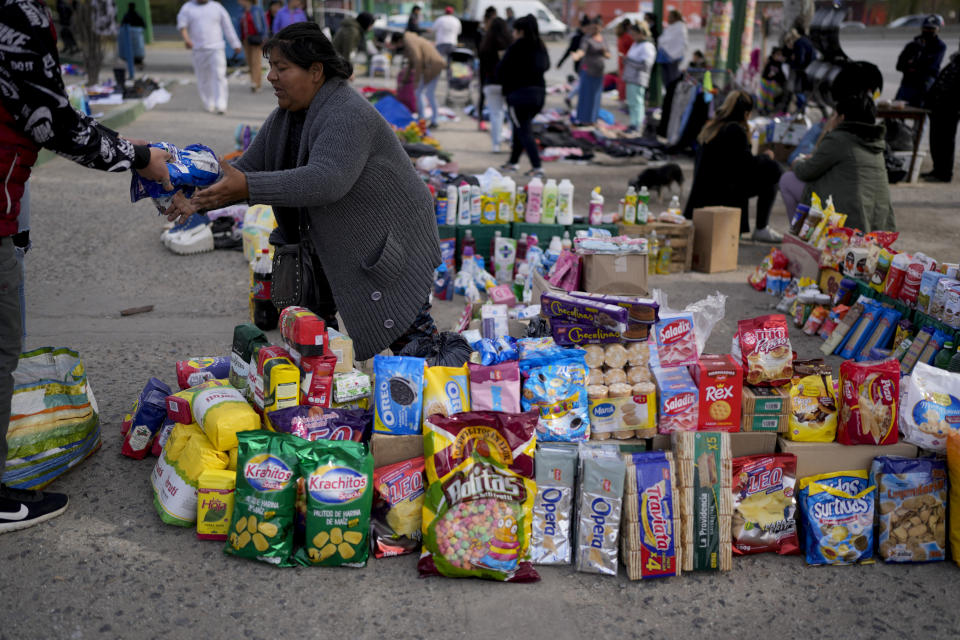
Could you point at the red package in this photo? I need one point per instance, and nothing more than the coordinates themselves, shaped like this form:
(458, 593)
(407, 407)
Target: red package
(676, 341)
(764, 504)
(397, 505)
(911, 281)
(319, 365)
(765, 350)
(776, 259)
(315, 390)
(720, 380)
(869, 392)
(882, 238)
(304, 333)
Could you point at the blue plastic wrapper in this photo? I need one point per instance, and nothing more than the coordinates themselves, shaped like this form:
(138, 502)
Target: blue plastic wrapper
(909, 488)
(190, 168)
(487, 349)
(559, 392)
(148, 415)
(398, 394)
(838, 512)
(507, 349)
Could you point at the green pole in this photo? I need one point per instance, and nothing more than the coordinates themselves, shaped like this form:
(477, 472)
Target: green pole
(736, 34)
(656, 86)
(143, 8)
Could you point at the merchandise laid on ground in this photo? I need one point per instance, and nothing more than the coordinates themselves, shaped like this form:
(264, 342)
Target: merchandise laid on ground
(573, 419)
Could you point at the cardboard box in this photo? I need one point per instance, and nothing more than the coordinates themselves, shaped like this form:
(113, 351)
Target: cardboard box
(342, 347)
(716, 239)
(720, 380)
(765, 400)
(752, 444)
(388, 449)
(625, 274)
(764, 422)
(814, 458)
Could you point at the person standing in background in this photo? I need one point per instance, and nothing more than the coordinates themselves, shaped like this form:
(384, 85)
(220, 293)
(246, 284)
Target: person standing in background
(351, 36)
(446, 33)
(520, 73)
(636, 73)
(672, 48)
(204, 24)
(624, 42)
(510, 19)
(655, 28)
(132, 18)
(488, 15)
(494, 44)
(920, 62)
(413, 22)
(65, 13)
(272, 10)
(253, 29)
(288, 15)
(592, 55)
(575, 40)
(426, 63)
(800, 53)
(943, 101)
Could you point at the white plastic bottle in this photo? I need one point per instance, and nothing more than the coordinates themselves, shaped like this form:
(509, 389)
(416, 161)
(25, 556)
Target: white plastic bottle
(674, 207)
(565, 203)
(595, 212)
(534, 200)
(476, 204)
(566, 243)
(630, 206)
(549, 202)
(463, 203)
(452, 207)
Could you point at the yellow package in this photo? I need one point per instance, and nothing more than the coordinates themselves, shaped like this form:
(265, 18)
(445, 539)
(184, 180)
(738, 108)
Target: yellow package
(232, 462)
(222, 412)
(174, 494)
(178, 439)
(953, 468)
(446, 391)
(215, 489)
(813, 409)
(199, 455)
(281, 386)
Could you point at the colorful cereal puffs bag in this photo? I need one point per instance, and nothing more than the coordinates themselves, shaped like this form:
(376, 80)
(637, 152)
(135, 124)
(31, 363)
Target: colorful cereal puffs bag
(477, 513)
(263, 510)
(838, 511)
(338, 478)
(397, 508)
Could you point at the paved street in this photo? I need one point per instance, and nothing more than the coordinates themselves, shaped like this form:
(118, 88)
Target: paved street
(109, 568)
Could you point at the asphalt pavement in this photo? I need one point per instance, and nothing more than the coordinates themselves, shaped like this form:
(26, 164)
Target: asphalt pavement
(109, 568)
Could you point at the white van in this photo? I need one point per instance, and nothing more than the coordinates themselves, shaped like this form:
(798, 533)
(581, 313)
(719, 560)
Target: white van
(551, 27)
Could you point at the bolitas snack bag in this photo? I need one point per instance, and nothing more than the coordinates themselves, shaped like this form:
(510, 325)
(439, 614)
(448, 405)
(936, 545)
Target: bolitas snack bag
(764, 504)
(480, 494)
(338, 477)
(265, 498)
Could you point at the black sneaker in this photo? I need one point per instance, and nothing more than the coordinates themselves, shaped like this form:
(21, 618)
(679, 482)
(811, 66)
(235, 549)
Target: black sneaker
(20, 509)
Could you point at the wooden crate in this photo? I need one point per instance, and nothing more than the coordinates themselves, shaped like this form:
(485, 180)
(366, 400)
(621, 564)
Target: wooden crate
(681, 240)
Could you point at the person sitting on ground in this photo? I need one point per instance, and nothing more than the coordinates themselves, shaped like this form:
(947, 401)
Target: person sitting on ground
(920, 62)
(350, 37)
(848, 165)
(943, 102)
(728, 174)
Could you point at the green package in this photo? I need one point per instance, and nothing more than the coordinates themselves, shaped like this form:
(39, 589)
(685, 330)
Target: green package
(338, 479)
(245, 338)
(265, 498)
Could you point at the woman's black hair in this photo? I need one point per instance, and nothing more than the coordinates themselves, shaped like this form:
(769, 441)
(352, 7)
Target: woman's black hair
(497, 37)
(528, 27)
(858, 108)
(303, 43)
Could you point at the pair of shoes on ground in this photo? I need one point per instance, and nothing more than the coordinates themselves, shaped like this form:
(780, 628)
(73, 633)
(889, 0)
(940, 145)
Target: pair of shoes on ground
(931, 176)
(20, 508)
(508, 167)
(193, 236)
(767, 234)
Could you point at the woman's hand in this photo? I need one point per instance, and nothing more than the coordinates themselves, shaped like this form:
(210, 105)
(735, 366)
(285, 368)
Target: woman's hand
(232, 187)
(577, 55)
(180, 210)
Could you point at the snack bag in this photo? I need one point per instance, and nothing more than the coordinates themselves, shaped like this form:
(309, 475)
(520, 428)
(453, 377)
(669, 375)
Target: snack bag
(495, 387)
(215, 489)
(868, 397)
(704, 479)
(553, 507)
(813, 406)
(480, 493)
(911, 490)
(398, 394)
(678, 395)
(676, 341)
(559, 393)
(190, 168)
(262, 524)
(765, 349)
(146, 419)
(245, 338)
(650, 537)
(316, 423)
(447, 391)
(930, 411)
(222, 413)
(338, 478)
(764, 504)
(838, 517)
(397, 508)
(196, 371)
(599, 502)
(953, 469)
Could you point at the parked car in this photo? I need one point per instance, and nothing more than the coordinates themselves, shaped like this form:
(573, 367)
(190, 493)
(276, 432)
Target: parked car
(856, 25)
(915, 20)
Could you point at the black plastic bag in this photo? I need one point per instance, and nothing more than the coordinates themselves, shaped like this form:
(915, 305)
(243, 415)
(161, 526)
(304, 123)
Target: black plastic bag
(447, 349)
(538, 328)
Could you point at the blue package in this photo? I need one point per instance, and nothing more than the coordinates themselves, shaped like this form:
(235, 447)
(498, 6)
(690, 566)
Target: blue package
(398, 394)
(905, 487)
(507, 349)
(838, 510)
(190, 168)
(448, 252)
(881, 334)
(857, 337)
(559, 393)
(146, 418)
(487, 349)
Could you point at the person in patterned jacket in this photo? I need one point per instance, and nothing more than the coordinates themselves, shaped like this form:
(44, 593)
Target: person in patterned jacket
(35, 113)
(943, 101)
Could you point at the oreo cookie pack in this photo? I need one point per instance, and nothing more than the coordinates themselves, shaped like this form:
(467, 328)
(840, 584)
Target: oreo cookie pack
(398, 394)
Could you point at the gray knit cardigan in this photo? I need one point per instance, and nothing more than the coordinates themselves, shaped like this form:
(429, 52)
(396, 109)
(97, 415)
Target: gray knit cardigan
(372, 219)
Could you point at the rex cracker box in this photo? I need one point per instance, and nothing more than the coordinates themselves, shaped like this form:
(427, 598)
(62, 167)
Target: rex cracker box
(719, 380)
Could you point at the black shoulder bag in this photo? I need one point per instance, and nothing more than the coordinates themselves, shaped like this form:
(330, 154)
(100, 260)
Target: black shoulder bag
(294, 281)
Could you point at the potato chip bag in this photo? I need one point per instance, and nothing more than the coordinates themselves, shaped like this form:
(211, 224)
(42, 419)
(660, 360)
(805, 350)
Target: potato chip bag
(338, 479)
(447, 391)
(479, 499)
(764, 504)
(911, 508)
(397, 508)
(868, 396)
(813, 407)
(263, 510)
(398, 394)
(765, 348)
(953, 470)
(838, 513)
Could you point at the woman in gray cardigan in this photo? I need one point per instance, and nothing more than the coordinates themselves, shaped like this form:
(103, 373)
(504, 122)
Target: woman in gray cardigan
(326, 160)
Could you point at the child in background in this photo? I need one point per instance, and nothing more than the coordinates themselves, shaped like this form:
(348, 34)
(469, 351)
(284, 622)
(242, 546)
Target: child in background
(772, 82)
(637, 64)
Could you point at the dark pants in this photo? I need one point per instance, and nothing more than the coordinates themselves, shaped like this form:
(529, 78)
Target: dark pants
(943, 137)
(762, 185)
(524, 106)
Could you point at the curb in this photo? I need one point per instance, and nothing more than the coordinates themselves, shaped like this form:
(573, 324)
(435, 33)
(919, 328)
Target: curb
(116, 119)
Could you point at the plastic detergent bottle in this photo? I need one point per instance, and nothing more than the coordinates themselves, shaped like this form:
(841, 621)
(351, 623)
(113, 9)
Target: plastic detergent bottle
(493, 248)
(643, 205)
(653, 253)
(534, 201)
(476, 204)
(501, 195)
(265, 315)
(442, 204)
(464, 203)
(566, 243)
(565, 203)
(630, 206)
(550, 202)
(489, 207)
(520, 205)
(469, 242)
(944, 356)
(674, 207)
(595, 212)
(452, 204)
(664, 257)
(522, 247)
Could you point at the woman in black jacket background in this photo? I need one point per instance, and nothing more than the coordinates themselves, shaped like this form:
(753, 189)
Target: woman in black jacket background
(520, 73)
(495, 42)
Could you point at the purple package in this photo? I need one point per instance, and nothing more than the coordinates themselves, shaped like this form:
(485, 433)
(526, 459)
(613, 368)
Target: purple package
(565, 333)
(317, 423)
(641, 309)
(583, 311)
(495, 387)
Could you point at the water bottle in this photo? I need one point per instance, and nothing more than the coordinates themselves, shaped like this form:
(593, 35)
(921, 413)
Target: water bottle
(566, 243)
(674, 207)
(263, 313)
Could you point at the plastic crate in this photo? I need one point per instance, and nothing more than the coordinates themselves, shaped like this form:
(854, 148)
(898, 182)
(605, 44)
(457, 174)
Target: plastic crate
(544, 232)
(483, 234)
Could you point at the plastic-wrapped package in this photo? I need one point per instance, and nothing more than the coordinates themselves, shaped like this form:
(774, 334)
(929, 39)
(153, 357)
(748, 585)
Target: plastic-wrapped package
(195, 166)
